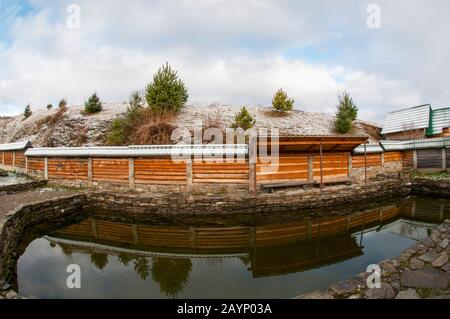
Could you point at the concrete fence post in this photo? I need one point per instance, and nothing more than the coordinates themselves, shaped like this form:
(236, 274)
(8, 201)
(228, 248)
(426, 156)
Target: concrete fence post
(252, 158)
(131, 174)
(350, 164)
(415, 160)
(26, 164)
(14, 159)
(310, 167)
(444, 160)
(46, 168)
(189, 174)
(90, 178)
(382, 159)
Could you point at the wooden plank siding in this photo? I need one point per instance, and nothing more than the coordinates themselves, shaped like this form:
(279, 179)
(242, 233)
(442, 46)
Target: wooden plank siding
(431, 158)
(391, 157)
(8, 156)
(289, 167)
(333, 165)
(20, 159)
(68, 168)
(447, 156)
(358, 161)
(408, 159)
(36, 164)
(159, 171)
(220, 172)
(106, 169)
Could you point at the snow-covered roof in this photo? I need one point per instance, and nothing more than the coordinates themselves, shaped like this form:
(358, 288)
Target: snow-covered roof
(209, 150)
(17, 146)
(428, 143)
(372, 148)
(409, 119)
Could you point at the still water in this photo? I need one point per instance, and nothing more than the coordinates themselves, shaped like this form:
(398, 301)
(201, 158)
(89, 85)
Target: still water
(266, 258)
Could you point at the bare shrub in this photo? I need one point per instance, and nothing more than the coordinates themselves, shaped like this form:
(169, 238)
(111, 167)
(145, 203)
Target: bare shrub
(152, 129)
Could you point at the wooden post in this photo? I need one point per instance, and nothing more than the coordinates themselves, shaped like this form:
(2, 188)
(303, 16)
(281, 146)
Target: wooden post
(46, 168)
(415, 160)
(94, 228)
(135, 234)
(26, 164)
(252, 157)
(382, 159)
(14, 159)
(189, 173)
(90, 179)
(365, 162)
(321, 165)
(131, 173)
(310, 167)
(444, 159)
(350, 164)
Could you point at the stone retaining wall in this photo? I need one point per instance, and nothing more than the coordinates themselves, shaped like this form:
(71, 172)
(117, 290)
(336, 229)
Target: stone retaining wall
(223, 203)
(16, 221)
(21, 187)
(429, 187)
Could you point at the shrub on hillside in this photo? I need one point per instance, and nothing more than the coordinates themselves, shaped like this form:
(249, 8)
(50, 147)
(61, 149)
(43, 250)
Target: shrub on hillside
(62, 104)
(243, 119)
(49, 106)
(93, 104)
(346, 113)
(167, 92)
(27, 112)
(281, 102)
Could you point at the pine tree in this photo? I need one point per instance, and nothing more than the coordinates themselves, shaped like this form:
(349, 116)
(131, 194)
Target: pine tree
(62, 103)
(93, 104)
(244, 120)
(49, 106)
(27, 113)
(346, 113)
(281, 102)
(167, 92)
(135, 104)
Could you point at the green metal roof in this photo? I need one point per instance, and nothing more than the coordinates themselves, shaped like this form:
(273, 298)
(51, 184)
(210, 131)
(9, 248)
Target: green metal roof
(440, 119)
(413, 118)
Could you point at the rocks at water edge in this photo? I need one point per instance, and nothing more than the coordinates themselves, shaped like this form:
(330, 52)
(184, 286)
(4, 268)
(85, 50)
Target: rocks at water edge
(421, 271)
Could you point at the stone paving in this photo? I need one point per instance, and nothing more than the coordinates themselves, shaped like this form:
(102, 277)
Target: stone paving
(420, 272)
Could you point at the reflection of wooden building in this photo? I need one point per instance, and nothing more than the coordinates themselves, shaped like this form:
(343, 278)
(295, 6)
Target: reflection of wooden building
(271, 249)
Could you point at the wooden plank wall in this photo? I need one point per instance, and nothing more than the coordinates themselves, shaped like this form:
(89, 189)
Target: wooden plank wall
(107, 169)
(159, 171)
(68, 168)
(289, 167)
(20, 159)
(334, 165)
(220, 172)
(431, 158)
(358, 161)
(408, 159)
(447, 156)
(8, 158)
(391, 157)
(36, 164)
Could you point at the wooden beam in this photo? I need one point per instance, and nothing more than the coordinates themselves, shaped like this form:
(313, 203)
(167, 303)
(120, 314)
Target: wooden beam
(321, 167)
(252, 159)
(444, 160)
(365, 162)
(46, 168)
(310, 167)
(90, 172)
(189, 174)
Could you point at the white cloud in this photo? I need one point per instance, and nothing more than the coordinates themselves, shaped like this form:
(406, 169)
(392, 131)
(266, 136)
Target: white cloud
(226, 51)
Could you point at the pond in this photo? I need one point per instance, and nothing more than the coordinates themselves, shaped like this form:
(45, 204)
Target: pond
(221, 257)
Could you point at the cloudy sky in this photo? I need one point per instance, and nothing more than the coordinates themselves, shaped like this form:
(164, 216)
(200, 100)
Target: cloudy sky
(227, 51)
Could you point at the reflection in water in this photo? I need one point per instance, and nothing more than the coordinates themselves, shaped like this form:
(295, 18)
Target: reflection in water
(222, 259)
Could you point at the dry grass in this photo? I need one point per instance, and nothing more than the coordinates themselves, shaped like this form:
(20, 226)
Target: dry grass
(151, 129)
(52, 119)
(213, 121)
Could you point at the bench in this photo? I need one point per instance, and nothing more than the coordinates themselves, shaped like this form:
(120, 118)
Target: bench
(271, 186)
(329, 181)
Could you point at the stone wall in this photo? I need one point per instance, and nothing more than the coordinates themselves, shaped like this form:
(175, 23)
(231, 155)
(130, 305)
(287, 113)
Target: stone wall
(429, 187)
(21, 187)
(16, 221)
(243, 202)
